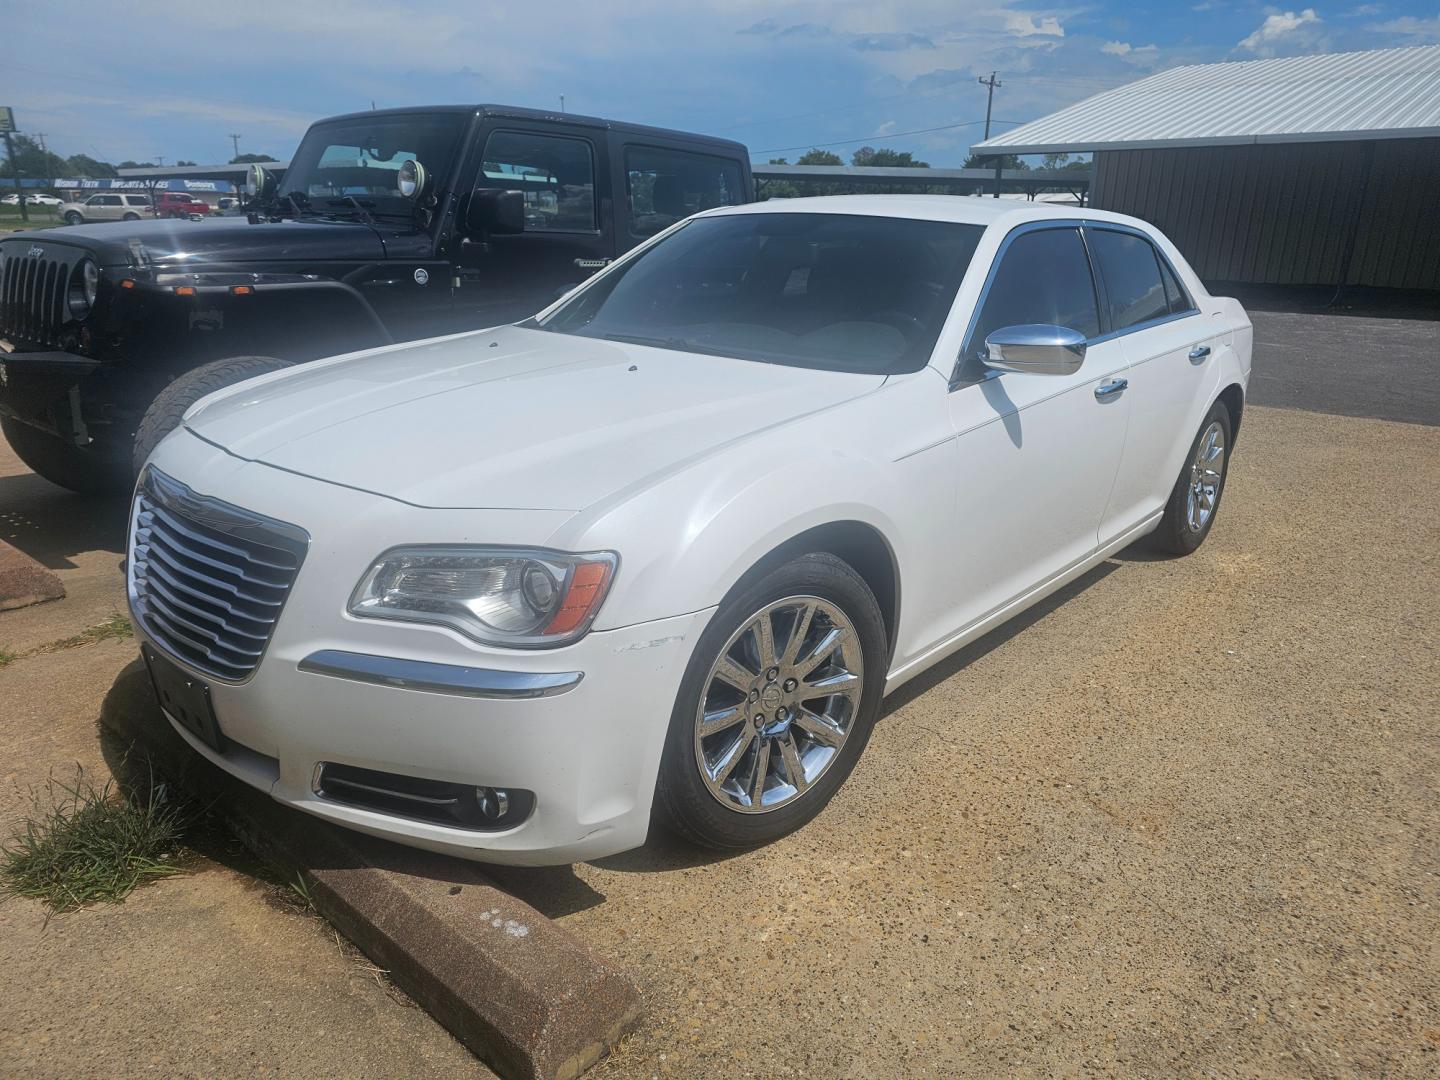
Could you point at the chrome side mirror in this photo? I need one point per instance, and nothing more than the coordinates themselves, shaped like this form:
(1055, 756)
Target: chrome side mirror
(1037, 348)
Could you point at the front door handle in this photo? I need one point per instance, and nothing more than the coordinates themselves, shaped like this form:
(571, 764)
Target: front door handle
(1199, 352)
(1106, 391)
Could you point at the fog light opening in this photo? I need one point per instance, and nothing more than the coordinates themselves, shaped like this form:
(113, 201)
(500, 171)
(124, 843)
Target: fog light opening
(494, 802)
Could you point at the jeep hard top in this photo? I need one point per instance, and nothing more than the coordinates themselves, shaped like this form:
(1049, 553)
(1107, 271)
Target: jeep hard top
(386, 226)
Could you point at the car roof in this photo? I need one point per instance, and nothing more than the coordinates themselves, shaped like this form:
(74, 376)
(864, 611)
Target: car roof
(515, 112)
(963, 209)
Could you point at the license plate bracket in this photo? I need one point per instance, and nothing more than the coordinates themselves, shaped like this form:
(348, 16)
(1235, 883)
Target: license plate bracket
(184, 697)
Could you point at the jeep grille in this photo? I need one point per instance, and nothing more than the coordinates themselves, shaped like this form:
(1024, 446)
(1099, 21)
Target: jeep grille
(33, 291)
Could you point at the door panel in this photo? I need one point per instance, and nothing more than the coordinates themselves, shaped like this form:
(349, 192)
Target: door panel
(1038, 455)
(1169, 390)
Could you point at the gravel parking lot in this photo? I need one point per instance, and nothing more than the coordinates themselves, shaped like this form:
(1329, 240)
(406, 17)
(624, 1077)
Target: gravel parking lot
(1181, 819)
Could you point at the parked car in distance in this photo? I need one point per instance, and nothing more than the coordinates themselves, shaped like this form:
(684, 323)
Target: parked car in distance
(105, 206)
(389, 226)
(178, 204)
(10, 200)
(671, 540)
(43, 200)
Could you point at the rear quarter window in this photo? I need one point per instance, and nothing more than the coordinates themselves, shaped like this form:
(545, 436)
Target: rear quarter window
(664, 186)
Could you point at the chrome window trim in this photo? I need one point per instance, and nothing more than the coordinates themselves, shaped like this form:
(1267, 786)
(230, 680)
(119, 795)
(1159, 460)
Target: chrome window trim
(1096, 283)
(1010, 237)
(430, 677)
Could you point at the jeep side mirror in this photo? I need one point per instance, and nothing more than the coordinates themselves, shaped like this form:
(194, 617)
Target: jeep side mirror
(494, 212)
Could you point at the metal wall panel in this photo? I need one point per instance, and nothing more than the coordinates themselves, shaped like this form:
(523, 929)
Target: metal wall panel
(1284, 214)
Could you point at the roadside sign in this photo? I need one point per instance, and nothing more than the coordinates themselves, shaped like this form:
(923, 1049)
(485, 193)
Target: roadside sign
(7, 118)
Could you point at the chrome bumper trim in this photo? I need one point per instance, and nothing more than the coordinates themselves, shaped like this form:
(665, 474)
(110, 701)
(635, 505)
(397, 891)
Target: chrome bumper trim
(439, 678)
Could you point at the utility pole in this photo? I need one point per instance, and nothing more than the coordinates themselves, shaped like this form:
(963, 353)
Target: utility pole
(235, 140)
(562, 103)
(991, 83)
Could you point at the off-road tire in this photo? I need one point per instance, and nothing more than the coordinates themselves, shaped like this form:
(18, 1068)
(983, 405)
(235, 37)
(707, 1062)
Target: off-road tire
(1174, 535)
(163, 415)
(86, 471)
(683, 804)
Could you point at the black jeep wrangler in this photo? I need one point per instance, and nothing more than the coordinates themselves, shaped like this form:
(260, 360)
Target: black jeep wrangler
(386, 226)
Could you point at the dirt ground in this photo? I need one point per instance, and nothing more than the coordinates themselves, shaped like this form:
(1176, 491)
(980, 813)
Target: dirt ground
(1179, 820)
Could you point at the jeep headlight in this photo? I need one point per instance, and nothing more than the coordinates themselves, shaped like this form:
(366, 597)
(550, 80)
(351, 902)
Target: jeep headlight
(84, 287)
(519, 597)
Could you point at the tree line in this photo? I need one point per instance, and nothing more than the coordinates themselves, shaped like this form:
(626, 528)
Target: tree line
(36, 162)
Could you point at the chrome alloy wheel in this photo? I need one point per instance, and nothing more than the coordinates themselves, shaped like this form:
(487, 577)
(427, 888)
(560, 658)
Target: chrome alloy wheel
(1206, 473)
(778, 704)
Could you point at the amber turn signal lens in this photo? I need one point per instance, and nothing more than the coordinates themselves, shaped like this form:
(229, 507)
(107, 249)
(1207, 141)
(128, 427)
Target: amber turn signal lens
(587, 589)
(241, 290)
(127, 283)
(184, 290)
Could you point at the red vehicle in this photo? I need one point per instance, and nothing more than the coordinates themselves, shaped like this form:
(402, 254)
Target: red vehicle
(177, 204)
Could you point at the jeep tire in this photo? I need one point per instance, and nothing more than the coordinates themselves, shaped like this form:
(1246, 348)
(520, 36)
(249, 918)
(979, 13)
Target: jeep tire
(163, 415)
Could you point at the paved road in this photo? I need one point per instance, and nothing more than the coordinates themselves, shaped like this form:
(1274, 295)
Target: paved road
(1348, 365)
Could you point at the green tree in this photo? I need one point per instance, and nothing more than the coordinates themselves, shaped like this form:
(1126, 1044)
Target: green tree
(246, 159)
(88, 167)
(32, 161)
(886, 158)
(182, 161)
(983, 161)
(127, 164)
(1054, 161)
(819, 157)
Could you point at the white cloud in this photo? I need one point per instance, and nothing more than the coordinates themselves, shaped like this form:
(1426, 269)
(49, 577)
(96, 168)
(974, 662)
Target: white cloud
(1116, 48)
(1414, 30)
(1023, 25)
(1280, 27)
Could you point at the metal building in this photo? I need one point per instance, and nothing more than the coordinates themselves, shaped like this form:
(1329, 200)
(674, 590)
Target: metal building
(1311, 170)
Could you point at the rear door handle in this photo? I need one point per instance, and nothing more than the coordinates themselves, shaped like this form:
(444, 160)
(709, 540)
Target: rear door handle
(1199, 352)
(1105, 391)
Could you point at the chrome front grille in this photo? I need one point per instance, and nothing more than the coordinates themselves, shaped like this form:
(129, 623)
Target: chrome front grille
(207, 579)
(34, 290)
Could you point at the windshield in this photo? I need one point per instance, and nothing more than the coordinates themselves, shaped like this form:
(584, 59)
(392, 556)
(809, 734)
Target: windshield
(356, 161)
(835, 291)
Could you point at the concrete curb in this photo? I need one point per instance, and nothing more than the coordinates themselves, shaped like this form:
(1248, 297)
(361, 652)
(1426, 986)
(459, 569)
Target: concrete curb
(527, 997)
(23, 581)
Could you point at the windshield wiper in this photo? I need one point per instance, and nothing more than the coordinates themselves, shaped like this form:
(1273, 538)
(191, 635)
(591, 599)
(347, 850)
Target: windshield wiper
(679, 344)
(365, 214)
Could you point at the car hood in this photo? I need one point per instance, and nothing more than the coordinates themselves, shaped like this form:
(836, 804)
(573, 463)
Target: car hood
(509, 418)
(200, 244)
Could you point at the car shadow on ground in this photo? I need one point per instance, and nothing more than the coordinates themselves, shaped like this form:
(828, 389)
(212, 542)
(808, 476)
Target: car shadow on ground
(51, 525)
(130, 708)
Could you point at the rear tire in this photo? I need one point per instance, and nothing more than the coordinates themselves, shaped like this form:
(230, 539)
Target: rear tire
(80, 470)
(132, 217)
(820, 736)
(163, 415)
(74, 218)
(1195, 499)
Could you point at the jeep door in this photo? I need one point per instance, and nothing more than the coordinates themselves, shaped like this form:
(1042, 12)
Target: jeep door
(561, 172)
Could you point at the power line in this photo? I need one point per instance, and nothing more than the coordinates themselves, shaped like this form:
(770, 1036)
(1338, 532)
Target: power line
(877, 138)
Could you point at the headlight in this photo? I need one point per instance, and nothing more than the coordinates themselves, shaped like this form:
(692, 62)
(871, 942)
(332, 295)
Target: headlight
(84, 286)
(520, 597)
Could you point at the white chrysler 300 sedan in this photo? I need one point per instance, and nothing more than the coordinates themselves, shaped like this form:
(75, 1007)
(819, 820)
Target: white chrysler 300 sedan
(665, 546)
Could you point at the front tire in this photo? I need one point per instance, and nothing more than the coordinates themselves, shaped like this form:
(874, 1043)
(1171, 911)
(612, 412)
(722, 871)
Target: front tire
(81, 470)
(74, 217)
(1195, 499)
(163, 415)
(776, 705)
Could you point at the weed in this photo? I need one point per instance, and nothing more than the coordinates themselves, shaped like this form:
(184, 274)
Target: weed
(92, 844)
(115, 628)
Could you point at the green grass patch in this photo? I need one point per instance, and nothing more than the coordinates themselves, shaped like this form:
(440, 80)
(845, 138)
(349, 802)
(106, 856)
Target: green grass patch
(115, 628)
(8, 657)
(93, 845)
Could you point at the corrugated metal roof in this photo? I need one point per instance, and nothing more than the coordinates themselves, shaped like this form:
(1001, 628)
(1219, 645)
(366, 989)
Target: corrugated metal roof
(1378, 94)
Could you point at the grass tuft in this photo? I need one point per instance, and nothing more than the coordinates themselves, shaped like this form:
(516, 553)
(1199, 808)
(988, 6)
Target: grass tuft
(8, 657)
(115, 628)
(92, 845)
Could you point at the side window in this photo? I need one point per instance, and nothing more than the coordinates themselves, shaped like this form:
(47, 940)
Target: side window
(556, 173)
(110, 200)
(1131, 271)
(1043, 277)
(95, 200)
(138, 200)
(666, 185)
(1175, 293)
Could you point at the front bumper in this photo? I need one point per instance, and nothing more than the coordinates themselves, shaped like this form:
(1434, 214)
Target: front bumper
(588, 748)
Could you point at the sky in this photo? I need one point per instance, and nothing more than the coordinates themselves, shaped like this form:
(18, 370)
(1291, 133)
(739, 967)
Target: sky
(171, 81)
